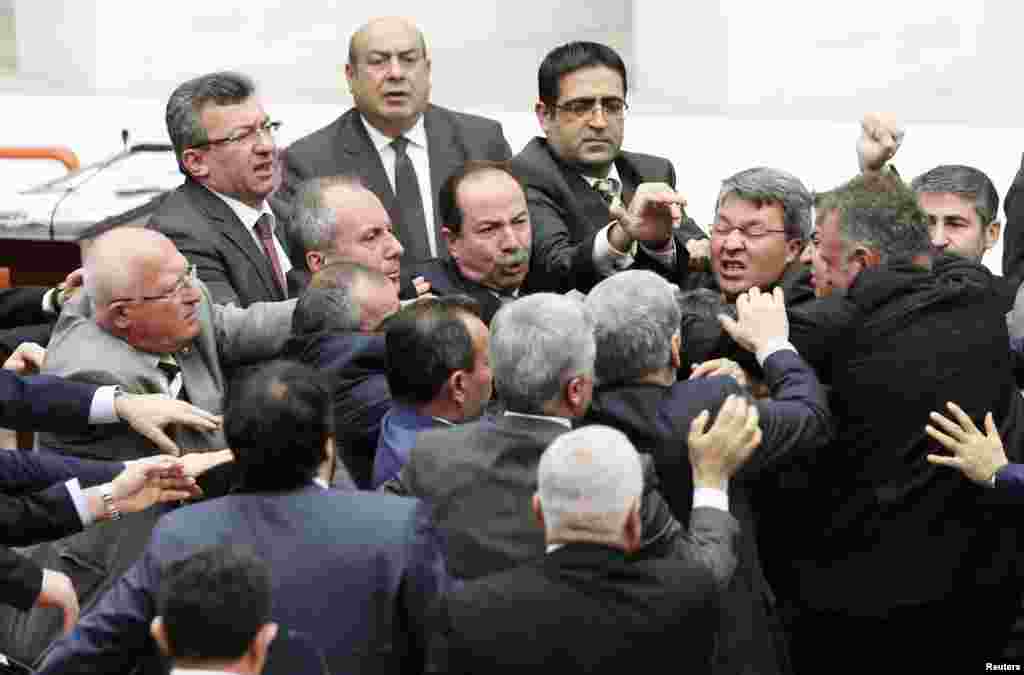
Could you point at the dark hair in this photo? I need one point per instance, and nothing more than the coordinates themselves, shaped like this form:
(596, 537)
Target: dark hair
(427, 341)
(880, 212)
(276, 422)
(451, 212)
(213, 603)
(183, 107)
(965, 181)
(702, 335)
(568, 59)
(332, 300)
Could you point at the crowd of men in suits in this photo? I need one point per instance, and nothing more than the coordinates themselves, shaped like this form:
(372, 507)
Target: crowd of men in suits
(490, 412)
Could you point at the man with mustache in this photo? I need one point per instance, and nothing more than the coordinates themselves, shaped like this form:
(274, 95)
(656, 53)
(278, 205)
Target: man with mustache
(401, 145)
(587, 197)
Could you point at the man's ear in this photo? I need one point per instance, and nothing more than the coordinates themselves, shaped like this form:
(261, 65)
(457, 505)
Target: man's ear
(457, 386)
(194, 161)
(315, 260)
(866, 257)
(451, 241)
(794, 247)
(538, 512)
(261, 643)
(991, 233)
(350, 73)
(575, 393)
(541, 111)
(159, 633)
(118, 313)
(677, 348)
(632, 531)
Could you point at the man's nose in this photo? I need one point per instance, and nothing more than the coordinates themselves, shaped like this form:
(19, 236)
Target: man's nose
(395, 249)
(807, 254)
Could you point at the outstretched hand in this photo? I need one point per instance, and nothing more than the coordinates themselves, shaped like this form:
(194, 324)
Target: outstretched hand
(977, 455)
(717, 453)
(148, 414)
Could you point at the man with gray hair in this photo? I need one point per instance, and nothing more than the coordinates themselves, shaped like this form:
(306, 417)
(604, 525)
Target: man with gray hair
(762, 221)
(480, 476)
(336, 329)
(637, 329)
(219, 217)
(612, 609)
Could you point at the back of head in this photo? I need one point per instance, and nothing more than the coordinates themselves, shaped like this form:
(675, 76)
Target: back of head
(335, 298)
(635, 316)
(764, 185)
(966, 181)
(426, 342)
(277, 422)
(537, 344)
(701, 333)
(213, 603)
(187, 101)
(881, 213)
(588, 480)
(569, 58)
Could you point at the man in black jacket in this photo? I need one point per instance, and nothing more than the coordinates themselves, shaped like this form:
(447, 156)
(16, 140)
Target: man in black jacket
(897, 549)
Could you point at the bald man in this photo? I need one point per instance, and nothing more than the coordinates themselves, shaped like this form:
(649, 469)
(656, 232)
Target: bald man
(402, 146)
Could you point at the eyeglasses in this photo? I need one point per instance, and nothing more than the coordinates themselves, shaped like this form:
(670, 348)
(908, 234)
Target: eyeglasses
(243, 135)
(187, 279)
(587, 107)
(752, 230)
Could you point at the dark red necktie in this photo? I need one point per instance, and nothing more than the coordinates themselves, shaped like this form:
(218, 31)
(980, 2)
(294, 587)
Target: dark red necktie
(267, 237)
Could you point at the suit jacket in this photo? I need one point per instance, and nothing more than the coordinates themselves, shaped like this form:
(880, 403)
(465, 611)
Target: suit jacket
(356, 365)
(30, 518)
(446, 279)
(794, 423)
(22, 305)
(1013, 233)
(1010, 480)
(228, 337)
(360, 573)
(584, 608)
(344, 146)
(43, 401)
(481, 476)
(566, 213)
(227, 258)
(398, 431)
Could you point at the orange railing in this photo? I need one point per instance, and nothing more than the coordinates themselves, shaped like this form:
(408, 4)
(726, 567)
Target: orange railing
(65, 156)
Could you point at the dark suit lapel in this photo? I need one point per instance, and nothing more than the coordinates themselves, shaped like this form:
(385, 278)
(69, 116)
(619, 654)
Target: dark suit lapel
(232, 228)
(628, 176)
(447, 154)
(595, 212)
(355, 144)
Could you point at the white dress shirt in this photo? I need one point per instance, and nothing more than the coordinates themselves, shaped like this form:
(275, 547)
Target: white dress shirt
(417, 152)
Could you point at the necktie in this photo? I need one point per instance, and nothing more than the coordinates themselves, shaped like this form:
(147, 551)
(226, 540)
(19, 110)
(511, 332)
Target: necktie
(172, 371)
(608, 188)
(266, 234)
(410, 203)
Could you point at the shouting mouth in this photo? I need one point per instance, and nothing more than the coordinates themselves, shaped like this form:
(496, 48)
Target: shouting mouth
(732, 268)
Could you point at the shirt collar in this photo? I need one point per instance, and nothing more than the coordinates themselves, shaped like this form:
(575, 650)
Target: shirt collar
(247, 214)
(549, 418)
(613, 173)
(417, 135)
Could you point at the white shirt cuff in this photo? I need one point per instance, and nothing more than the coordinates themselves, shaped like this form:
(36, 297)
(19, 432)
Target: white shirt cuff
(101, 410)
(78, 498)
(48, 301)
(772, 347)
(607, 259)
(711, 497)
(666, 256)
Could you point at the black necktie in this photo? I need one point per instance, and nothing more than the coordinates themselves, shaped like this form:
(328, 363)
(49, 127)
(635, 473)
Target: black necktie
(410, 203)
(608, 188)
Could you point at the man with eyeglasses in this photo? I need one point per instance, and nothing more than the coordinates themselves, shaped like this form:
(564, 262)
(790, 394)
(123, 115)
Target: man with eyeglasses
(219, 218)
(587, 197)
(401, 145)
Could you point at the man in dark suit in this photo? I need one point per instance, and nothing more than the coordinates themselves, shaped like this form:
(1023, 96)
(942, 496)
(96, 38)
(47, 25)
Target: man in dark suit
(219, 218)
(336, 330)
(582, 187)
(480, 476)
(402, 146)
(637, 324)
(360, 573)
(937, 548)
(589, 605)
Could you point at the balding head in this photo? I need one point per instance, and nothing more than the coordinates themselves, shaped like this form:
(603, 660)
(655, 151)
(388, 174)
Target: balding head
(141, 289)
(364, 36)
(589, 484)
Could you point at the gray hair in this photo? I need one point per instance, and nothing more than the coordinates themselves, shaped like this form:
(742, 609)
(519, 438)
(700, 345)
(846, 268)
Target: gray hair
(587, 482)
(635, 316)
(333, 300)
(537, 344)
(183, 107)
(315, 223)
(965, 181)
(763, 185)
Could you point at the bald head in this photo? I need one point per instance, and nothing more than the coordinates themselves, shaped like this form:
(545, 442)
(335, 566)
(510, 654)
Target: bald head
(589, 483)
(118, 262)
(382, 26)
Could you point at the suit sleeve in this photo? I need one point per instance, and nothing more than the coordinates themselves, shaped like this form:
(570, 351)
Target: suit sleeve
(1010, 482)
(43, 402)
(796, 419)
(22, 472)
(554, 256)
(1013, 233)
(500, 150)
(253, 334)
(43, 516)
(424, 586)
(209, 265)
(22, 306)
(20, 580)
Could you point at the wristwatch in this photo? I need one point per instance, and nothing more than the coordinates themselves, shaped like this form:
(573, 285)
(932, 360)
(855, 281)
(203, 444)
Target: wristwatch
(108, 502)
